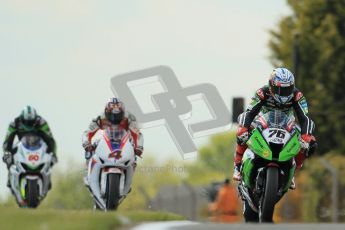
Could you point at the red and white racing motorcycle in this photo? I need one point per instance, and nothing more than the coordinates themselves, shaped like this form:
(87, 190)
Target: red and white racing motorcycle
(111, 168)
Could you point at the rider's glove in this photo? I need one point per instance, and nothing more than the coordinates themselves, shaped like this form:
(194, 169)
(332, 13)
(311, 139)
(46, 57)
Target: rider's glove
(89, 150)
(139, 150)
(54, 160)
(242, 135)
(311, 144)
(88, 155)
(312, 147)
(305, 141)
(8, 159)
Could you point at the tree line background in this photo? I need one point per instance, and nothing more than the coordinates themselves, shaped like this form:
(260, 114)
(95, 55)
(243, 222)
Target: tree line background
(315, 35)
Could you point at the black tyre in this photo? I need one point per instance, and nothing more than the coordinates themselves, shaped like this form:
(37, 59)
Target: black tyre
(270, 196)
(96, 206)
(249, 214)
(113, 191)
(32, 193)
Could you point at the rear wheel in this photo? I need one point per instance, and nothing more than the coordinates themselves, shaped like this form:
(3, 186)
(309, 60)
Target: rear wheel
(270, 195)
(32, 193)
(113, 191)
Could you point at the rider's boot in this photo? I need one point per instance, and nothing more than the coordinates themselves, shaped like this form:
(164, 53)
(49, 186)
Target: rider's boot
(299, 163)
(135, 163)
(8, 181)
(22, 203)
(86, 181)
(50, 185)
(237, 173)
(240, 149)
(293, 184)
(85, 177)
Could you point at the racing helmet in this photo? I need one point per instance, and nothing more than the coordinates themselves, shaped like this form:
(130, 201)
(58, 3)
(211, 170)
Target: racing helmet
(114, 110)
(29, 115)
(282, 85)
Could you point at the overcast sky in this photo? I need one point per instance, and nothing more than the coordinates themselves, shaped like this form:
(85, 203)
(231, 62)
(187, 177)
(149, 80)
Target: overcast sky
(59, 56)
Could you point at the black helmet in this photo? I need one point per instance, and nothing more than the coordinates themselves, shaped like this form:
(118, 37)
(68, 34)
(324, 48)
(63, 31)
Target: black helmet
(114, 110)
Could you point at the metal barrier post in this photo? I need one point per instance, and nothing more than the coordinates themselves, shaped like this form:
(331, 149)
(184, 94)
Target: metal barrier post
(335, 195)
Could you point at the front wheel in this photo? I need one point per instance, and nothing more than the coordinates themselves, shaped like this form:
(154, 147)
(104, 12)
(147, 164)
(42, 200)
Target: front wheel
(32, 193)
(270, 195)
(113, 191)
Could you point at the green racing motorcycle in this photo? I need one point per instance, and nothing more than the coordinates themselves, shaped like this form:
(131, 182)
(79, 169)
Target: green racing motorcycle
(268, 164)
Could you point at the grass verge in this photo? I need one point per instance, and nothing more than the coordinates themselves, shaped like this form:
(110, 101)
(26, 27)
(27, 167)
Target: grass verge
(49, 219)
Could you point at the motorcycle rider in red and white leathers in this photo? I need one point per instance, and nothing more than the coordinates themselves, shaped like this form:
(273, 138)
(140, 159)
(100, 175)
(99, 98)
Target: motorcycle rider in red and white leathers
(114, 115)
(280, 94)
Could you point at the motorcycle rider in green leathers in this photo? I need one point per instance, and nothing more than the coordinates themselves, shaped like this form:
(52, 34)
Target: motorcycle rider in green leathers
(28, 122)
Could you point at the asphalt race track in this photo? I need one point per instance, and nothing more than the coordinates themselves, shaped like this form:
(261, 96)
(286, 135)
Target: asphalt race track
(188, 225)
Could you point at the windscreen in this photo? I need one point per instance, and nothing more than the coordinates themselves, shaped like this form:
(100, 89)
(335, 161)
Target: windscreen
(31, 141)
(115, 133)
(276, 119)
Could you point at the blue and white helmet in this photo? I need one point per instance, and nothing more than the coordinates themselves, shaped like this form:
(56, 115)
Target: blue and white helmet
(282, 85)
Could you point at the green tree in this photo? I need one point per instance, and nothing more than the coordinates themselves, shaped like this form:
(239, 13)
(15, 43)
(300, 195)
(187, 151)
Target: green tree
(317, 27)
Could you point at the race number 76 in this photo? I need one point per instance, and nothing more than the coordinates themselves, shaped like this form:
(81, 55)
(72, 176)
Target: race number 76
(278, 133)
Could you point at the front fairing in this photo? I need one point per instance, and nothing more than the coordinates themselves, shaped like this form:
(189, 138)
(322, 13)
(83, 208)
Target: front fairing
(32, 160)
(291, 148)
(259, 145)
(110, 152)
(259, 155)
(111, 156)
(262, 146)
